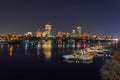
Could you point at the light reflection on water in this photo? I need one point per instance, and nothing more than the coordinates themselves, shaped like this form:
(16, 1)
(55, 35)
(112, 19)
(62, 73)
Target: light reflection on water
(26, 49)
(11, 50)
(1, 46)
(47, 46)
(45, 51)
(38, 49)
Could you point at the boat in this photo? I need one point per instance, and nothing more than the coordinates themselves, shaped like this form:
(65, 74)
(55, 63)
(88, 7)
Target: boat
(79, 57)
(86, 57)
(99, 50)
(86, 54)
(79, 61)
(71, 57)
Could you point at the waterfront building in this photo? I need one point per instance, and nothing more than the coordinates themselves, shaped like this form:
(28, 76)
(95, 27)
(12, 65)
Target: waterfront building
(15, 36)
(78, 31)
(73, 31)
(85, 35)
(38, 34)
(44, 34)
(62, 34)
(10, 37)
(48, 29)
(28, 34)
(73, 34)
(4, 37)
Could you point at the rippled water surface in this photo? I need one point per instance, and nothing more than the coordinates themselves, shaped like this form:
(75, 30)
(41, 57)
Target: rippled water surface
(45, 61)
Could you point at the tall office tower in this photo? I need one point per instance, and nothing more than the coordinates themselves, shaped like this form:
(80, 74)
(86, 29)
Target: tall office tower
(73, 31)
(73, 34)
(48, 29)
(38, 33)
(79, 30)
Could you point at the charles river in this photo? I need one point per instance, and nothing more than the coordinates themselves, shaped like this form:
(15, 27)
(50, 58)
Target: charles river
(44, 60)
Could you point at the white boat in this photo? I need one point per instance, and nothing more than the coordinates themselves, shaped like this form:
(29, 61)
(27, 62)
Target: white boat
(85, 54)
(94, 50)
(79, 57)
(79, 61)
(86, 57)
(71, 57)
(67, 56)
(74, 56)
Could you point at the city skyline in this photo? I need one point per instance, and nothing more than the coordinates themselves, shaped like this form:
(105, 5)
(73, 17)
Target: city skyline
(95, 17)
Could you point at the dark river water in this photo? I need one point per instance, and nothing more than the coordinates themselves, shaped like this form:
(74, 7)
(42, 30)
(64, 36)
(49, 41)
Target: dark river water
(45, 61)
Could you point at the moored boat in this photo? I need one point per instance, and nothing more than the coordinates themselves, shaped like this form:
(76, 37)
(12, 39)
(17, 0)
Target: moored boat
(86, 54)
(79, 57)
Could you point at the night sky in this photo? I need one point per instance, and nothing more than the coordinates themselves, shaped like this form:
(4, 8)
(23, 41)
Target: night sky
(100, 17)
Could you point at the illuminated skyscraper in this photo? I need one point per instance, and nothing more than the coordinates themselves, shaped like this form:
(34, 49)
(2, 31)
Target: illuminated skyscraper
(73, 31)
(79, 30)
(73, 34)
(48, 29)
(38, 33)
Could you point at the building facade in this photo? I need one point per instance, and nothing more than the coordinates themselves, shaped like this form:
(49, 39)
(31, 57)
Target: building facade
(48, 29)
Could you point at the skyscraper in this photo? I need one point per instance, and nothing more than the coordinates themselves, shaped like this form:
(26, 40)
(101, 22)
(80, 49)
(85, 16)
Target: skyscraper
(79, 30)
(48, 29)
(38, 33)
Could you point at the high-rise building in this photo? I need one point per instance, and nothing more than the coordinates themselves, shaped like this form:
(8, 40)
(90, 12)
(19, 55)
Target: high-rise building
(38, 33)
(79, 30)
(73, 34)
(73, 31)
(48, 29)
